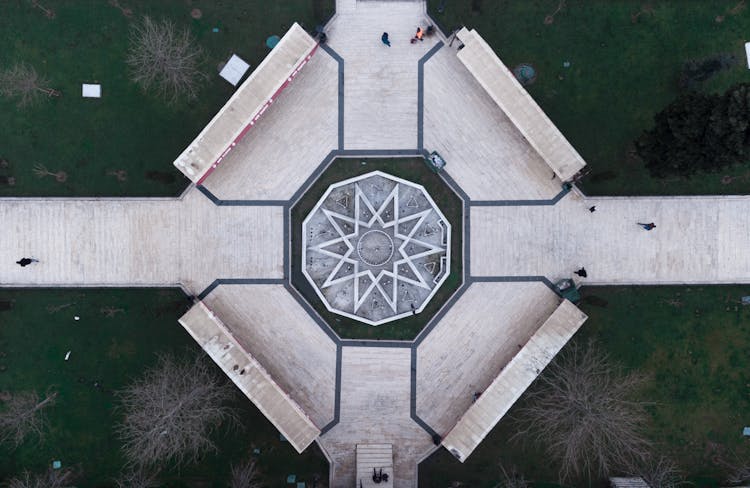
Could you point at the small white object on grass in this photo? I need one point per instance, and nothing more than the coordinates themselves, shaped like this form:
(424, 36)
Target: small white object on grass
(67, 355)
(91, 90)
(76, 318)
(747, 53)
(234, 70)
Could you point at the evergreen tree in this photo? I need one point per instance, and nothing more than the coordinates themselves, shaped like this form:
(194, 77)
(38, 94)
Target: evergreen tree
(698, 132)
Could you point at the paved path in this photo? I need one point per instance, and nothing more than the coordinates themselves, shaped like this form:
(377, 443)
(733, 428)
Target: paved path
(278, 332)
(486, 154)
(377, 393)
(380, 82)
(289, 141)
(186, 241)
(474, 342)
(696, 240)
(375, 399)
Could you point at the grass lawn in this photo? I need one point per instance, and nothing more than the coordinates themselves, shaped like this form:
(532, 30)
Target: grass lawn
(126, 129)
(37, 329)
(412, 169)
(621, 73)
(692, 342)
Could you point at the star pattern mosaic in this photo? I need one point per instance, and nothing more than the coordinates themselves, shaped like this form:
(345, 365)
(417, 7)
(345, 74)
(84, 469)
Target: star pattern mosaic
(376, 248)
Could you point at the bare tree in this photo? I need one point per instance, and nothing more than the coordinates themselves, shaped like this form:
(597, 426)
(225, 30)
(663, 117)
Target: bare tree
(171, 411)
(511, 479)
(22, 81)
(660, 472)
(22, 416)
(244, 475)
(165, 58)
(740, 474)
(53, 478)
(581, 409)
(138, 478)
(738, 468)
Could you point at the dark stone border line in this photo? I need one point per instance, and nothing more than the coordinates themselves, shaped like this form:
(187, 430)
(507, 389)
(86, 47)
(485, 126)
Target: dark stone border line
(467, 279)
(239, 281)
(413, 398)
(420, 93)
(466, 268)
(375, 343)
(240, 203)
(312, 313)
(352, 153)
(515, 279)
(311, 179)
(522, 203)
(337, 393)
(440, 314)
(287, 242)
(340, 62)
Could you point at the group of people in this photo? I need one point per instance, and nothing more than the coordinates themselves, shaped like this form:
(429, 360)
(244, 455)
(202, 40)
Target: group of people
(419, 36)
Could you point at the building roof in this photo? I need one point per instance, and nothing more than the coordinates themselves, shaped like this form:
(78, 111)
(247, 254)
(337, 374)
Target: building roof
(248, 103)
(513, 380)
(249, 376)
(521, 109)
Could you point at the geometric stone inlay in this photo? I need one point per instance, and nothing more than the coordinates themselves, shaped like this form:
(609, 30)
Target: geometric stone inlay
(376, 248)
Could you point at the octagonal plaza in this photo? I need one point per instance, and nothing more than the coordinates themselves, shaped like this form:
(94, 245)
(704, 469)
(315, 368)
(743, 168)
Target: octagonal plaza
(376, 248)
(225, 241)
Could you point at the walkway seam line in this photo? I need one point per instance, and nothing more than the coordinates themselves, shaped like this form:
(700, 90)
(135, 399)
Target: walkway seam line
(420, 92)
(340, 62)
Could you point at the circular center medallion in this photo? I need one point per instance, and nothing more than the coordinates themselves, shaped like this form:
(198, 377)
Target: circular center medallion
(375, 248)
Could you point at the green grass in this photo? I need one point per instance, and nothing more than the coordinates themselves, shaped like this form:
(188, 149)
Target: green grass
(621, 74)
(693, 344)
(127, 129)
(38, 329)
(412, 169)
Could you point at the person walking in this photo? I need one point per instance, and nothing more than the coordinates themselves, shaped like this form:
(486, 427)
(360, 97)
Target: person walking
(385, 39)
(592, 208)
(581, 272)
(419, 36)
(648, 226)
(23, 262)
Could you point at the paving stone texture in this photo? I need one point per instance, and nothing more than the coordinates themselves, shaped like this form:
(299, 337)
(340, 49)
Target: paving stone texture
(227, 241)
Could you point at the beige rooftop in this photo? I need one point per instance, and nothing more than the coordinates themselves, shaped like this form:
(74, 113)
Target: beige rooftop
(247, 104)
(226, 240)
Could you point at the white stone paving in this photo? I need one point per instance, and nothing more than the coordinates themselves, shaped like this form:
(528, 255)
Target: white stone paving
(190, 241)
(375, 399)
(380, 82)
(696, 240)
(185, 241)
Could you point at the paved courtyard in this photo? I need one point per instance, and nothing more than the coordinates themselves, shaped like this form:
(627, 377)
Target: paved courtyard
(226, 240)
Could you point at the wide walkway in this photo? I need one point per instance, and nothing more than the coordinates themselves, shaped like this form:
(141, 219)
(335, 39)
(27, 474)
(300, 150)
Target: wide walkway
(186, 241)
(380, 82)
(696, 240)
(375, 399)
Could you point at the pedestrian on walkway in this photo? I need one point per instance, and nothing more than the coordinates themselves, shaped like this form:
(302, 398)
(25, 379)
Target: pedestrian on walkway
(419, 36)
(648, 226)
(592, 208)
(581, 272)
(385, 40)
(23, 262)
